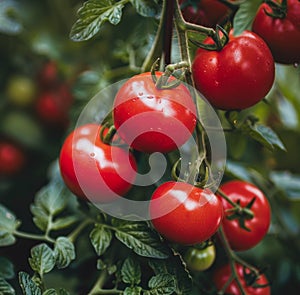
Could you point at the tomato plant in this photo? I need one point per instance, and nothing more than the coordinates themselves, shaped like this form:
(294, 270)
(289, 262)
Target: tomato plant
(200, 259)
(280, 28)
(195, 215)
(238, 76)
(251, 284)
(94, 170)
(150, 119)
(245, 232)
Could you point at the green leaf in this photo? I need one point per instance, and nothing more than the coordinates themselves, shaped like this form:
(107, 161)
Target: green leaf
(288, 183)
(64, 252)
(162, 284)
(64, 222)
(6, 268)
(8, 225)
(238, 170)
(50, 292)
(42, 259)
(100, 238)
(139, 237)
(133, 290)
(9, 23)
(6, 288)
(92, 15)
(131, 272)
(244, 16)
(146, 8)
(28, 286)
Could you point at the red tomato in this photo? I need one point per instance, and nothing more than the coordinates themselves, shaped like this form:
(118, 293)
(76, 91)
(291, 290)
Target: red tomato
(243, 192)
(94, 170)
(238, 76)
(12, 159)
(48, 76)
(281, 34)
(207, 13)
(153, 120)
(185, 214)
(222, 275)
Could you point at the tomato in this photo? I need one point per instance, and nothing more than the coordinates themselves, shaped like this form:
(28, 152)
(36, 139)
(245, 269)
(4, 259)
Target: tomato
(185, 214)
(281, 34)
(207, 13)
(200, 259)
(12, 159)
(48, 75)
(236, 77)
(21, 90)
(151, 119)
(94, 170)
(243, 192)
(222, 275)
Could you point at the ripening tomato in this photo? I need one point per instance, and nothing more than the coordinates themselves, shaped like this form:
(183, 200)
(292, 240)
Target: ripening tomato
(48, 76)
(185, 214)
(94, 170)
(239, 238)
(207, 13)
(223, 274)
(281, 34)
(236, 77)
(151, 119)
(12, 158)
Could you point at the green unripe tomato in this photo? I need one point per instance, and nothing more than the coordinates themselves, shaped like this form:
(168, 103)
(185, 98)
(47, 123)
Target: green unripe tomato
(21, 90)
(200, 259)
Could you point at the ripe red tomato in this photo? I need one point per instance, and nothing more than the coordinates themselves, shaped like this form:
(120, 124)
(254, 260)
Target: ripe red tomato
(151, 119)
(207, 13)
(48, 76)
(281, 34)
(12, 159)
(94, 170)
(195, 214)
(238, 76)
(222, 275)
(243, 192)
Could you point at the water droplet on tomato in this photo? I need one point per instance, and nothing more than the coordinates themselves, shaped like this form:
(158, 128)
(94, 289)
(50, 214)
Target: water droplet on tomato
(92, 155)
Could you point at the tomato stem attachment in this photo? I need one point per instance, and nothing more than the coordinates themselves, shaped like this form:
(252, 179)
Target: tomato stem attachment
(279, 10)
(111, 131)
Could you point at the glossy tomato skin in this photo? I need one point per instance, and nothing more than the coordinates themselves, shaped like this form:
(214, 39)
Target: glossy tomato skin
(239, 238)
(281, 34)
(207, 13)
(236, 77)
(222, 275)
(153, 120)
(94, 170)
(12, 159)
(195, 213)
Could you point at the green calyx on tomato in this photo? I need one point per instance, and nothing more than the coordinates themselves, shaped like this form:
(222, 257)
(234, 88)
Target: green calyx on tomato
(278, 10)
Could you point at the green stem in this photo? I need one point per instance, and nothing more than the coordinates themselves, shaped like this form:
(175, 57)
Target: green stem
(75, 233)
(30, 236)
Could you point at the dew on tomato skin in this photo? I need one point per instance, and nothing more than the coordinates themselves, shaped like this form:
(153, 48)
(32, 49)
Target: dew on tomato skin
(92, 155)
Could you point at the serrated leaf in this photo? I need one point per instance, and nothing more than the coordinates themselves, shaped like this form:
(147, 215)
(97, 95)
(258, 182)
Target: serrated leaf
(146, 8)
(50, 292)
(139, 237)
(9, 24)
(162, 284)
(63, 222)
(244, 16)
(6, 288)
(6, 268)
(42, 259)
(8, 225)
(133, 290)
(131, 272)
(92, 15)
(238, 170)
(28, 286)
(100, 238)
(64, 252)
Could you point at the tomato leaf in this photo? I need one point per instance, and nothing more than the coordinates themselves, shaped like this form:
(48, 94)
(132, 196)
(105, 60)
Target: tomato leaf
(9, 20)
(133, 290)
(6, 288)
(92, 15)
(42, 259)
(146, 8)
(238, 170)
(6, 269)
(29, 287)
(161, 284)
(64, 252)
(64, 222)
(131, 272)
(244, 16)
(139, 237)
(100, 238)
(8, 224)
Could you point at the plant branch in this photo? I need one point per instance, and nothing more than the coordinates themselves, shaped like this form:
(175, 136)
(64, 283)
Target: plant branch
(30, 236)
